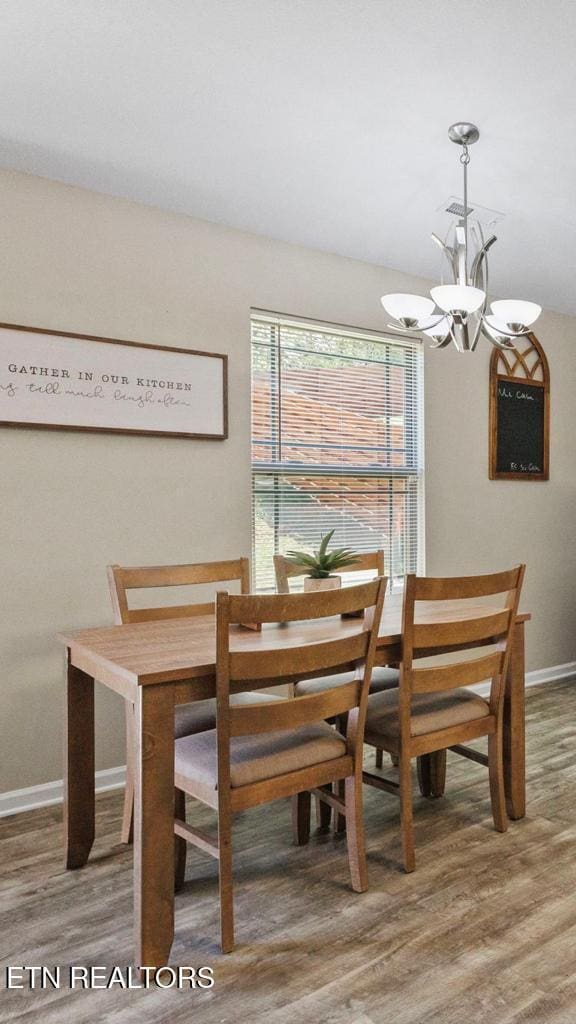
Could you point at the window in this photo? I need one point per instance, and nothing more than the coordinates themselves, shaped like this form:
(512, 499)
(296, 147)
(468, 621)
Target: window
(336, 443)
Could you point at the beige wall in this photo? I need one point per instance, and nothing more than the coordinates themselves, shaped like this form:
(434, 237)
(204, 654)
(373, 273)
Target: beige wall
(72, 502)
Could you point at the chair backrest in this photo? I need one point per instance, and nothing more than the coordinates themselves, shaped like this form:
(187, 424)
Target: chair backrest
(122, 579)
(458, 625)
(302, 648)
(285, 570)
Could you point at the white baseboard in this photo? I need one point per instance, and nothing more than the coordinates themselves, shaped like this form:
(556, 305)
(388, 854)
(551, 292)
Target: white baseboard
(551, 675)
(53, 792)
(535, 678)
(48, 793)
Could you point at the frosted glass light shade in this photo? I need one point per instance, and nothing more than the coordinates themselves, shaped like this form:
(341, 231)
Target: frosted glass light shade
(497, 327)
(407, 307)
(458, 298)
(516, 313)
(440, 327)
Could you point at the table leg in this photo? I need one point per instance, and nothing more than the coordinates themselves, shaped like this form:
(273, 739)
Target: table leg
(154, 826)
(78, 766)
(514, 728)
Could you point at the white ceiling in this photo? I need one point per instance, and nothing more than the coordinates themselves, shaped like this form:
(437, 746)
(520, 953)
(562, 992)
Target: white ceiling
(321, 122)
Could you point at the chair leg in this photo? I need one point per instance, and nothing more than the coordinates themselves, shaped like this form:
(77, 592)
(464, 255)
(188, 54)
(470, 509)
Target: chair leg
(179, 843)
(423, 772)
(301, 804)
(438, 773)
(432, 774)
(127, 829)
(378, 761)
(355, 832)
(496, 773)
(226, 885)
(406, 813)
(323, 814)
(340, 819)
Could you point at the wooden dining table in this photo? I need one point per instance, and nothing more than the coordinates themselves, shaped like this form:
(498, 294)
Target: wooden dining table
(159, 664)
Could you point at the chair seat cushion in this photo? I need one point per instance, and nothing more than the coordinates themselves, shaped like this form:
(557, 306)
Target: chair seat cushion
(430, 712)
(382, 679)
(258, 757)
(200, 715)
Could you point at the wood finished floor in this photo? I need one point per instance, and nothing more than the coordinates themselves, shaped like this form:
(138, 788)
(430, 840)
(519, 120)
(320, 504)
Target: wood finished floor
(484, 930)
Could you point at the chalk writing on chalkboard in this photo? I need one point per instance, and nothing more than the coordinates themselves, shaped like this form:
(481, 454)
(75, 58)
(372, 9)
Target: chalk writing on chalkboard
(519, 411)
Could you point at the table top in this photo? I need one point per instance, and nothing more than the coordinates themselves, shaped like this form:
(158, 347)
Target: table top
(185, 648)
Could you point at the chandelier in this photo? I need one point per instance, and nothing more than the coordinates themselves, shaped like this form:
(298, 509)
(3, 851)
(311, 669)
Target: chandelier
(458, 312)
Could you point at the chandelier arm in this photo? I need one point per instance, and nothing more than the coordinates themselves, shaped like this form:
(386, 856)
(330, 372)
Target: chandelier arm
(477, 332)
(498, 343)
(448, 252)
(410, 330)
(456, 332)
(480, 260)
(443, 342)
(483, 271)
(402, 330)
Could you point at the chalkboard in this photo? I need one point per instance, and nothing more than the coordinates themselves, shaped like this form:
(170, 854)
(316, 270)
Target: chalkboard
(519, 415)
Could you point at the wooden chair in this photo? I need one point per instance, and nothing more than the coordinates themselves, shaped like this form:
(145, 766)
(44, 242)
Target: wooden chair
(262, 753)
(285, 570)
(189, 718)
(432, 710)
(383, 677)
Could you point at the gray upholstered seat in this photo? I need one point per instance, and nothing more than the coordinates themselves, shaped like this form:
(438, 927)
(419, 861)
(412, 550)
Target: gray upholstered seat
(382, 679)
(257, 757)
(430, 712)
(200, 715)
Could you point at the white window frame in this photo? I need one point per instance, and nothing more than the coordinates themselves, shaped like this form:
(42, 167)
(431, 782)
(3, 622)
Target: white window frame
(279, 469)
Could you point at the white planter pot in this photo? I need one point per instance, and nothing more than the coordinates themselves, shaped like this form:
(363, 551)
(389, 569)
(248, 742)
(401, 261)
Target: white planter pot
(328, 583)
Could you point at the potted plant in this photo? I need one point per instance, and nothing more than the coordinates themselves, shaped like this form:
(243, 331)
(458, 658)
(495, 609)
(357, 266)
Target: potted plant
(320, 566)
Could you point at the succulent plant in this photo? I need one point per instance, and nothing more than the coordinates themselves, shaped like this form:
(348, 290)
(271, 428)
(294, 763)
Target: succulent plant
(323, 563)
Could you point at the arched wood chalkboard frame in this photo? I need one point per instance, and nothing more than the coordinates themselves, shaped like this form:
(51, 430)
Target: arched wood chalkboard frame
(525, 364)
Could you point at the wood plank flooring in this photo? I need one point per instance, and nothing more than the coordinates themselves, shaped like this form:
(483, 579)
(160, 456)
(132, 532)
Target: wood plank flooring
(484, 930)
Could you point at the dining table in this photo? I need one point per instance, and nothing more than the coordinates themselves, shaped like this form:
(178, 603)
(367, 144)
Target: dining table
(159, 664)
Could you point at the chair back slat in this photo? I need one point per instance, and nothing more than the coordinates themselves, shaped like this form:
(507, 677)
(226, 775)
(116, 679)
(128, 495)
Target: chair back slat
(461, 631)
(306, 651)
(257, 718)
(461, 673)
(260, 608)
(286, 570)
(121, 579)
(298, 660)
(179, 611)
(453, 588)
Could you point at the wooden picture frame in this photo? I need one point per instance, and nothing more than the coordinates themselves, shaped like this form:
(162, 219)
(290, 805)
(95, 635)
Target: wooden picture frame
(525, 365)
(59, 380)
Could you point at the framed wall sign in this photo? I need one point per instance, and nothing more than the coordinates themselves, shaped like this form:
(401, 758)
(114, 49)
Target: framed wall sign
(520, 412)
(69, 381)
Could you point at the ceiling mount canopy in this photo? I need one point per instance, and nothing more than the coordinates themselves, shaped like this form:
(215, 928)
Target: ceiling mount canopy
(457, 312)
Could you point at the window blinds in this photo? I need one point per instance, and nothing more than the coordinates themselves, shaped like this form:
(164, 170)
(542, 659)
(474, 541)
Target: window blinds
(336, 443)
